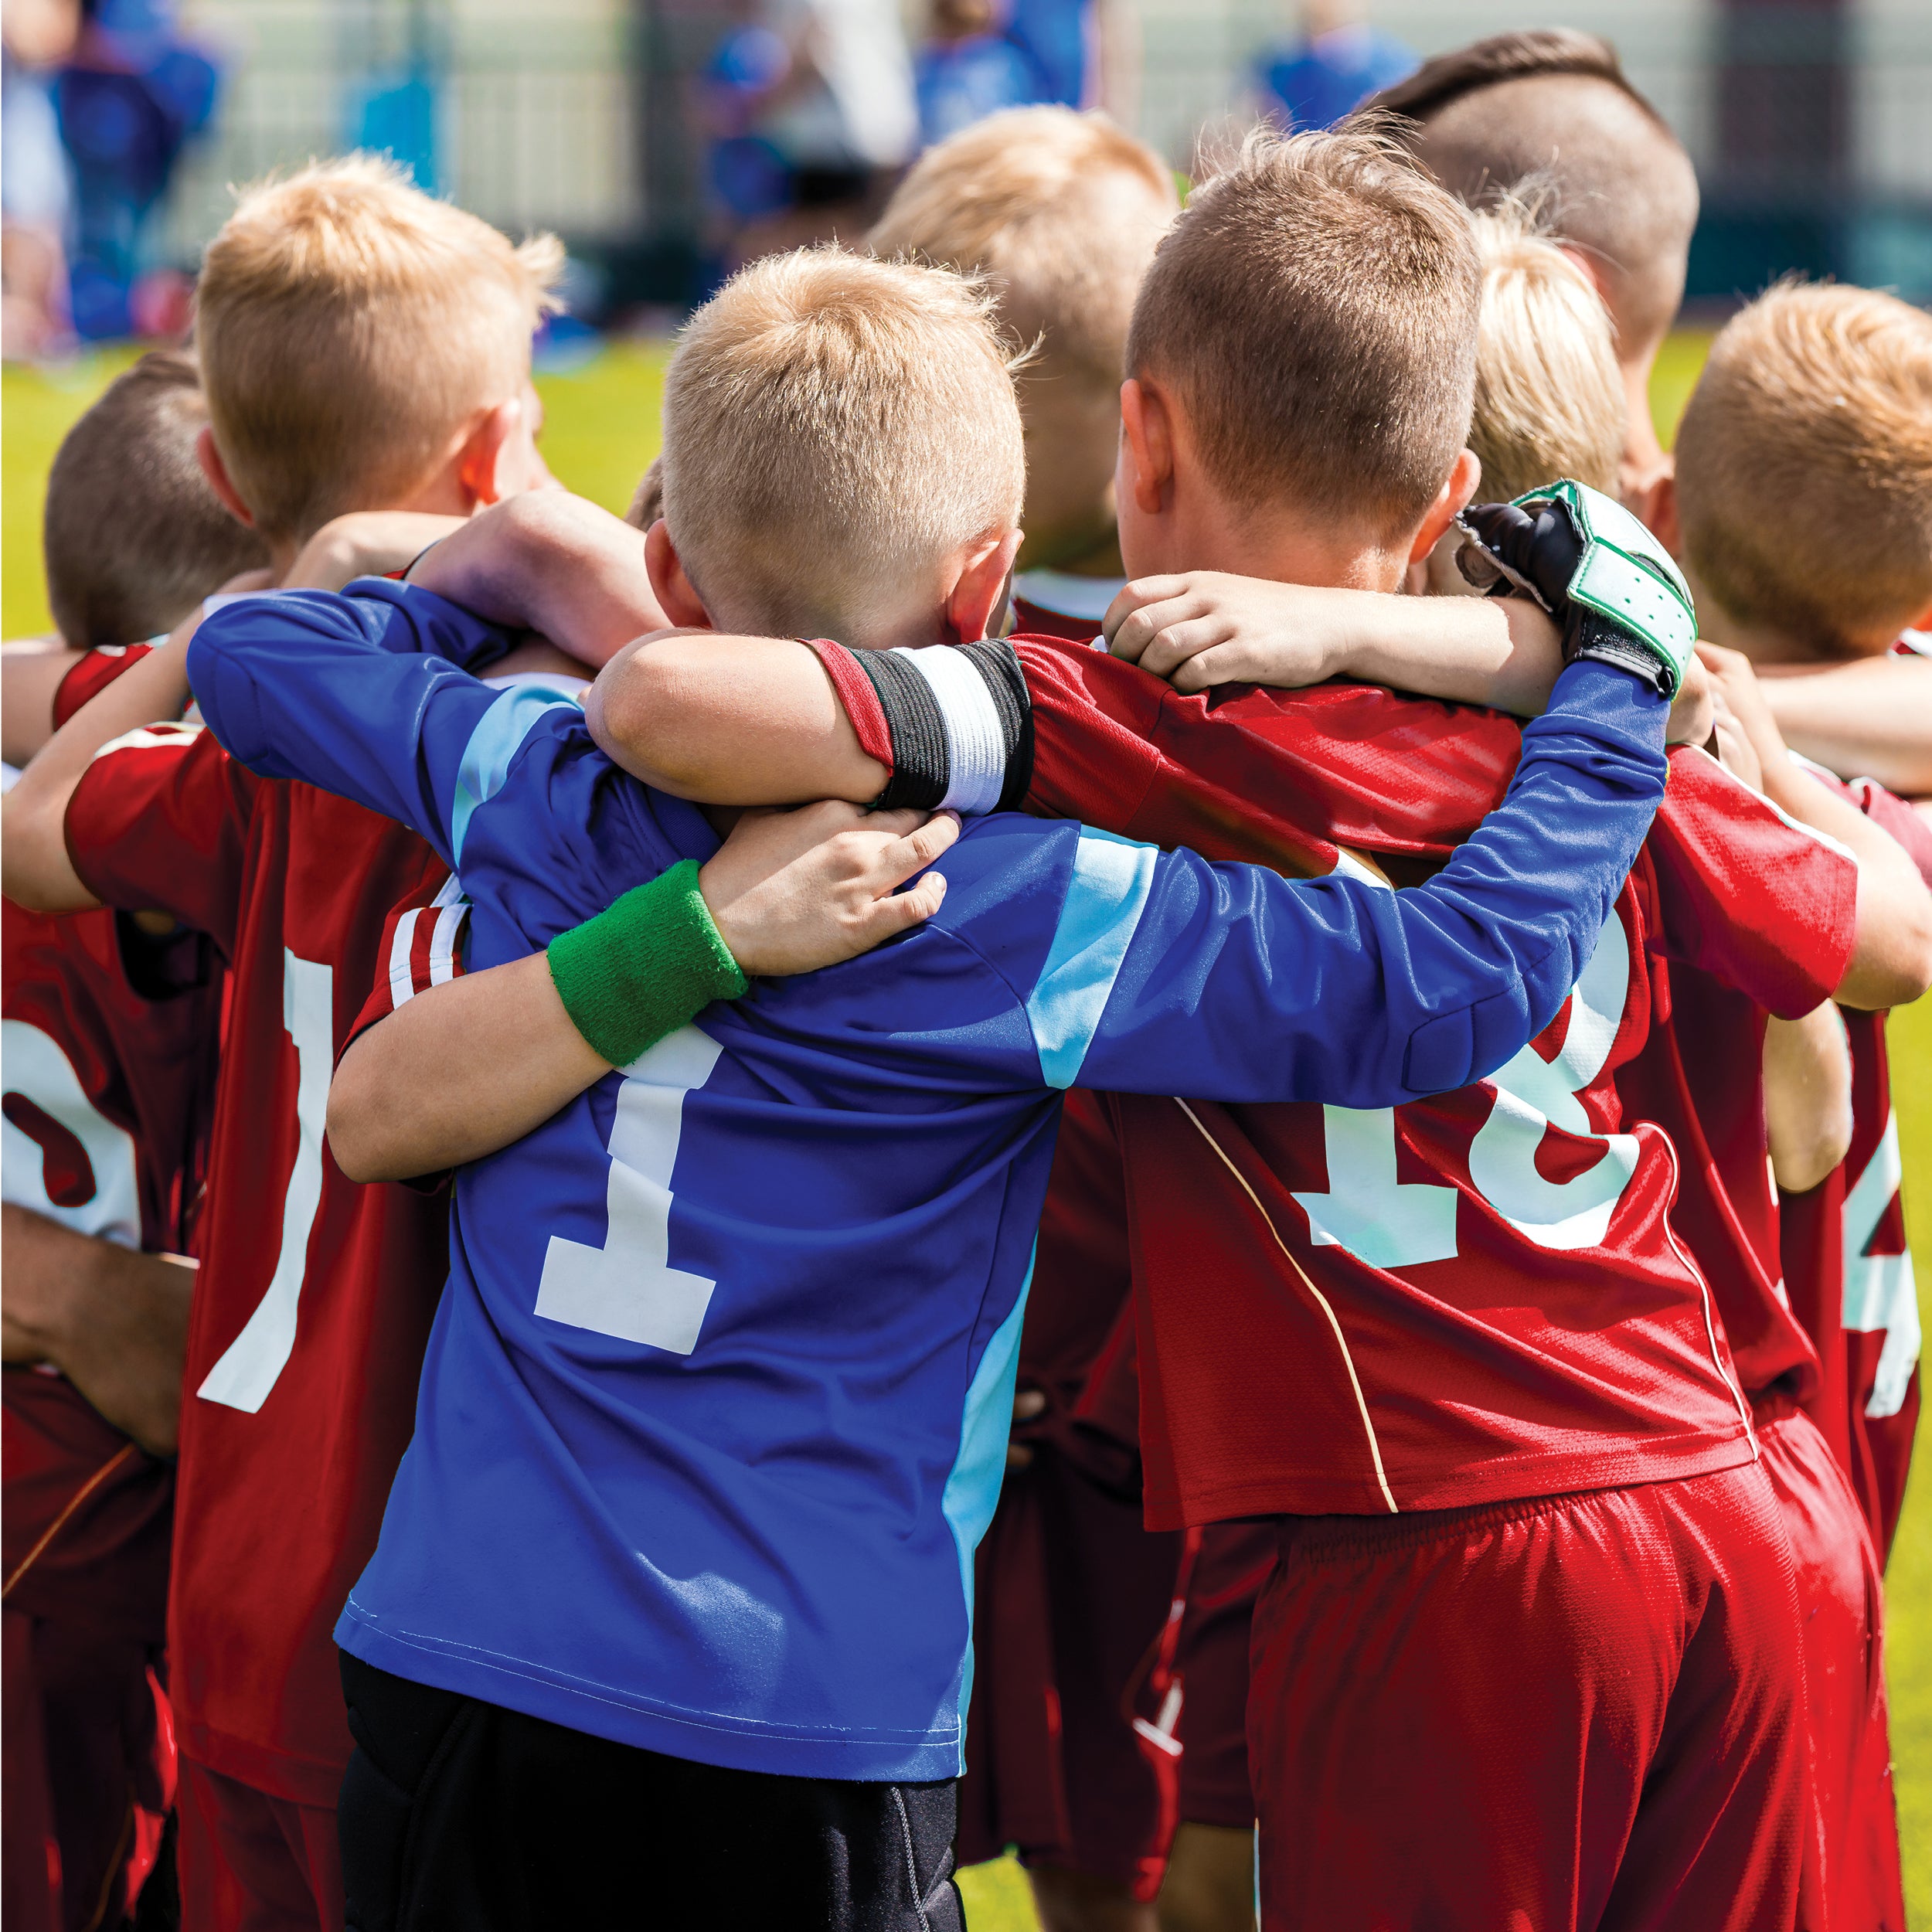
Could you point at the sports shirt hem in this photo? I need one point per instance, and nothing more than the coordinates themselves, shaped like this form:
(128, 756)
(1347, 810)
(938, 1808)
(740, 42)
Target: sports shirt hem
(283, 1774)
(602, 1710)
(1508, 1479)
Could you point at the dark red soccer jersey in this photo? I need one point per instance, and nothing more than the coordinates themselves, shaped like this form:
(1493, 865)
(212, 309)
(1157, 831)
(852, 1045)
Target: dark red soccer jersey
(109, 1055)
(1461, 1300)
(1846, 1257)
(316, 1294)
(1700, 1076)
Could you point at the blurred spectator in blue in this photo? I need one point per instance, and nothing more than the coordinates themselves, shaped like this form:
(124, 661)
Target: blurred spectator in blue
(810, 112)
(967, 70)
(1061, 39)
(36, 195)
(1339, 62)
(128, 99)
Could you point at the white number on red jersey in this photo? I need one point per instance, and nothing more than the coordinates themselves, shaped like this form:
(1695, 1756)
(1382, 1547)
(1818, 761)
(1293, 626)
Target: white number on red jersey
(627, 1288)
(1392, 1224)
(1880, 1292)
(62, 1158)
(248, 1369)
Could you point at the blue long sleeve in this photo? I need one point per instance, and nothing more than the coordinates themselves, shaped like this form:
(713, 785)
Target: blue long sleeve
(1235, 984)
(365, 694)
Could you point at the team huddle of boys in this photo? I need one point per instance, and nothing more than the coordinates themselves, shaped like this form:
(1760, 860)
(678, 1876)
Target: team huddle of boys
(1120, 1116)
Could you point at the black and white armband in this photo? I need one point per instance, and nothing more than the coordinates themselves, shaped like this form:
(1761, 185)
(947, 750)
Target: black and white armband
(952, 724)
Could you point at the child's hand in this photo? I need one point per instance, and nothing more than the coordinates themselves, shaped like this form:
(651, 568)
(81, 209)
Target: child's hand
(1206, 627)
(792, 891)
(1693, 710)
(1749, 740)
(365, 543)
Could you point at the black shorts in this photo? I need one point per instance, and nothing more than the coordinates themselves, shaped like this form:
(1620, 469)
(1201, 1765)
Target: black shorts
(461, 1816)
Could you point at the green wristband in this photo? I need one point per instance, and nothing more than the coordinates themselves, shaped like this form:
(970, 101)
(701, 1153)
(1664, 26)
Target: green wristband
(644, 966)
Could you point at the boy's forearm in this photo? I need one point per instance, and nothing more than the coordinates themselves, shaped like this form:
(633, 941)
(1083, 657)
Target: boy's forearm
(1891, 963)
(36, 870)
(544, 561)
(30, 670)
(1869, 719)
(1503, 652)
(458, 1073)
(1808, 1096)
(113, 1320)
(730, 721)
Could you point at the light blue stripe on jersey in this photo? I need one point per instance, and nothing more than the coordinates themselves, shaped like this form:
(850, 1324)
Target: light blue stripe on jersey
(1112, 878)
(972, 1488)
(493, 743)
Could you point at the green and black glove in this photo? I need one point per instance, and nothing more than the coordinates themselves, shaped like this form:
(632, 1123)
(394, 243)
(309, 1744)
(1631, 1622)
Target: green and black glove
(1598, 571)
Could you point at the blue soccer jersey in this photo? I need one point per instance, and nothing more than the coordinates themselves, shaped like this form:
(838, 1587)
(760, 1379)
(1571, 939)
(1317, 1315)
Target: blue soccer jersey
(715, 1407)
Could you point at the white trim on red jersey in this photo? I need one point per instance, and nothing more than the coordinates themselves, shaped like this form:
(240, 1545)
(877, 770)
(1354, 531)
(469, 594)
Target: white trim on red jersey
(419, 956)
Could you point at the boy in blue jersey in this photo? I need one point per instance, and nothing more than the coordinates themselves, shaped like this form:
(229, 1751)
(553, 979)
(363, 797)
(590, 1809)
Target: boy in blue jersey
(715, 1407)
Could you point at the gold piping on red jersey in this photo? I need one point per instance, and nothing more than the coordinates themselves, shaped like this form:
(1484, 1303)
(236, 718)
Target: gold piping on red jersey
(1341, 1340)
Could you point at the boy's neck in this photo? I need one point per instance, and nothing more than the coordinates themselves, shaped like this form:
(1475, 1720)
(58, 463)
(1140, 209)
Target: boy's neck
(1765, 644)
(1645, 458)
(1100, 560)
(1283, 549)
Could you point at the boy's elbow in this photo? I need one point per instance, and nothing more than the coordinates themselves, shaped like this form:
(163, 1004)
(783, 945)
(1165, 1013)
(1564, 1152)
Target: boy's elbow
(1802, 1161)
(632, 712)
(355, 1129)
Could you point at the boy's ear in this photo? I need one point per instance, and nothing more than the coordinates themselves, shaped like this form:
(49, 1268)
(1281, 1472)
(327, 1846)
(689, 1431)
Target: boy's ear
(977, 592)
(478, 460)
(1146, 431)
(216, 472)
(677, 595)
(1661, 512)
(1458, 491)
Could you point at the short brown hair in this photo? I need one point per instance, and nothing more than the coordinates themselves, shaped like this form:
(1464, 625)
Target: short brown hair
(347, 324)
(1316, 307)
(134, 538)
(1556, 104)
(835, 425)
(1060, 211)
(1804, 464)
(1549, 396)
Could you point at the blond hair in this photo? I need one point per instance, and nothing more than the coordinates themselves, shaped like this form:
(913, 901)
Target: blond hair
(1549, 395)
(1804, 464)
(348, 326)
(834, 428)
(1060, 211)
(1316, 308)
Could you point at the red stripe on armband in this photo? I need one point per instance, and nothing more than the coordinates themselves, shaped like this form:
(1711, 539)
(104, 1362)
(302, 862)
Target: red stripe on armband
(856, 693)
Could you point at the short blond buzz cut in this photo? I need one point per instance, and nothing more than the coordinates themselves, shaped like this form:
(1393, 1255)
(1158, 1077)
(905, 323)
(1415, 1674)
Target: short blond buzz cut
(348, 326)
(835, 428)
(1060, 211)
(1316, 307)
(1805, 465)
(1549, 395)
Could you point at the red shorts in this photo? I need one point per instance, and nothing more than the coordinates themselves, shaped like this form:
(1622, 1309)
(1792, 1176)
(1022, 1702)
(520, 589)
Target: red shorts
(1230, 1567)
(252, 1862)
(1071, 1594)
(88, 1754)
(1583, 1710)
(1841, 1597)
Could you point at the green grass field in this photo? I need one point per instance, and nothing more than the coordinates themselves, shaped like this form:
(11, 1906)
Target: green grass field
(601, 430)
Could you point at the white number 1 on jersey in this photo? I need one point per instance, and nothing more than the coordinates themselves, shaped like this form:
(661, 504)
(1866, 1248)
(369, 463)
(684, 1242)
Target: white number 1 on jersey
(627, 1288)
(248, 1369)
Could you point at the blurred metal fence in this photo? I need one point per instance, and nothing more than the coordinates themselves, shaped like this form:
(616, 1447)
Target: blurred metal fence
(1810, 122)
